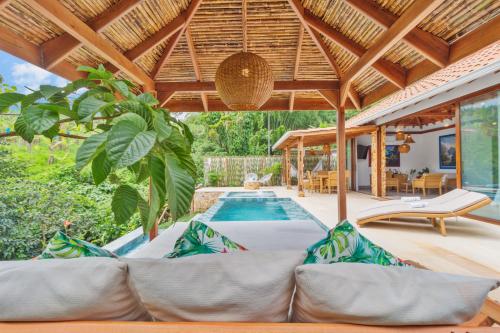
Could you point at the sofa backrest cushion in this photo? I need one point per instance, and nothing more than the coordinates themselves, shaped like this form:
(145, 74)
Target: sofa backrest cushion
(386, 295)
(232, 287)
(67, 289)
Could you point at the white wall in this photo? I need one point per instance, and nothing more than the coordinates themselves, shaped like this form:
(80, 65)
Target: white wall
(423, 153)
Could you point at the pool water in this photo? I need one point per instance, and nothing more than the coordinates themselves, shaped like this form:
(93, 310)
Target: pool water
(261, 210)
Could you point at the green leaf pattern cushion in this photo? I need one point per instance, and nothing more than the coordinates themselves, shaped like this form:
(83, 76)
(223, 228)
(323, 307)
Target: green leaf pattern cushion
(199, 238)
(61, 246)
(345, 244)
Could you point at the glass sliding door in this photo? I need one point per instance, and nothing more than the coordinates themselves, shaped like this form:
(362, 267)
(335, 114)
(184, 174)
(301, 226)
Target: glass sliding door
(480, 133)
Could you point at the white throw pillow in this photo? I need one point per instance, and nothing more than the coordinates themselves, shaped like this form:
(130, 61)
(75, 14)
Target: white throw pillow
(386, 295)
(230, 287)
(67, 289)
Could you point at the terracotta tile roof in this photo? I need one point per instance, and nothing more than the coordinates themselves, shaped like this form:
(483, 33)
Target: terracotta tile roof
(470, 64)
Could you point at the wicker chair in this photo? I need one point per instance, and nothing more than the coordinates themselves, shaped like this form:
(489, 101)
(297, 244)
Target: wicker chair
(312, 184)
(429, 181)
(391, 181)
(332, 181)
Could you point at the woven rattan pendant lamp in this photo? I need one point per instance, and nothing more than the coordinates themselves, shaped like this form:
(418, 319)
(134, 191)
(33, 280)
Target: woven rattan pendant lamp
(244, 80)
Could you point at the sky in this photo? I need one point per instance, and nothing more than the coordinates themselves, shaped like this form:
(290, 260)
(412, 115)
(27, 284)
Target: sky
(23, 75)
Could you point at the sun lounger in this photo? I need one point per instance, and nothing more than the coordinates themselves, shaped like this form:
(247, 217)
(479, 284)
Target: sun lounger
(455, 203)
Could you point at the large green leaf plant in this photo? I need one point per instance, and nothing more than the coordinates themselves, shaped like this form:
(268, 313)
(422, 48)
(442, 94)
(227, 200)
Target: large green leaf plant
(127, 130)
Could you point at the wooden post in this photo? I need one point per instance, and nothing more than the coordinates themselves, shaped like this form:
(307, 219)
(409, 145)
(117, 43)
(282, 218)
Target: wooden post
(341, 162)
(288, 168)
(354, 161)
(458, 145)
(382, 159)
(154, 230)
(376, 167)
(300, 166)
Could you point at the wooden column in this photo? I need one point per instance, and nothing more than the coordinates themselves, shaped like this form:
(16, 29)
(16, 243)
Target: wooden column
(341, 162)
(300, 167)
(382, 161)
(154, 230)
(288, 169)
(458, 145)
(376, 168)
(354, 161)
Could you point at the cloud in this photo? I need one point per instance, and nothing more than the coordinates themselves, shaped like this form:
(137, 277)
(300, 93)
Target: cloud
(26, 75)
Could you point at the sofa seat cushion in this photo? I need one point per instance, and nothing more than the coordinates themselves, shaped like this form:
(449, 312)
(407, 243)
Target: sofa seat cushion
(62, 246)
(73, 289)
(344, 243)
(386, 295)
(199, 238)
(234, 287)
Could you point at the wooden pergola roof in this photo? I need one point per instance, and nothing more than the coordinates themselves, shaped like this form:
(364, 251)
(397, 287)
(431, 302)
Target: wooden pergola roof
(319, 136)
(324, 53)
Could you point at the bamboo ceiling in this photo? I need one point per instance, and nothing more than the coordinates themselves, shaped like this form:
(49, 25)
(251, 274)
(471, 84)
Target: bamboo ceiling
(309, 43)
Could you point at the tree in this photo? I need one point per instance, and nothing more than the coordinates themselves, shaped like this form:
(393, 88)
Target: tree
(127, 129)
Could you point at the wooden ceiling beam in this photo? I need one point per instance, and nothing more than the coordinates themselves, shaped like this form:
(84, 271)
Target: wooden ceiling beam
(197, 71)
(62, 17)
(273, 104)
(463, 47)
(323, 48)
(404, 24)
(331, 96)
(391, 71)
(300, 39)
(283, 86)
(13, 44)
(244, 28)
(56, 49)
(172, 43)
(354, 97)
(4, 3)
(433, 48)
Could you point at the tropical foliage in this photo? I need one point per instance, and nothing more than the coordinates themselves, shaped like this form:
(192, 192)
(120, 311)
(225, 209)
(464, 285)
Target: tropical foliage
(345, 244)
(199, 238)
(37, 198)
(61, 246)
(127, 131)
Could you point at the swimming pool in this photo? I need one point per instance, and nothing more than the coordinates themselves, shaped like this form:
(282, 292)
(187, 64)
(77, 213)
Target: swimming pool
(256, 209)
(248, 194)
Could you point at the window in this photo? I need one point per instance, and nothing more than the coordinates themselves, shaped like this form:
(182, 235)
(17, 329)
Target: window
(480, 132)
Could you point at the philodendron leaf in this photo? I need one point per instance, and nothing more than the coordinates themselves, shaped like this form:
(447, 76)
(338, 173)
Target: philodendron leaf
(148, 99)
(124, 203)
(89, 107)
(89, 149)
(24, 131)
(128, 143)
(48, 91)
(135, 118)
(40, 119)
(144, 212)
(158, 189)
(101, 167)
(179, 187)
(8, 99)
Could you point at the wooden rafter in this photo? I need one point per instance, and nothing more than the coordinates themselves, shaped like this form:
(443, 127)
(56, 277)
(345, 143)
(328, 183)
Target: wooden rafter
(56, 49)
(4, 3)
(391, 71)
(273, 104)
(61, 16)
(353, 96)
(297, 63)
(433, 48)
(299, 11)
(11, 43)
(409, 20)
(172, 42)
(331, 96)
(279, 86)
(197, 71)
(470, 43)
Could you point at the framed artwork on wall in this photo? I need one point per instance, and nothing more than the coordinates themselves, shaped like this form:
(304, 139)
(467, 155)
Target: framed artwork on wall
(447, 152)
(392, 156)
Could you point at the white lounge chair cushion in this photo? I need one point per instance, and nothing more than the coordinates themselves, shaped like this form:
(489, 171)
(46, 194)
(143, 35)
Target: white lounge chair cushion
(67, 289)
(451, 202)
(231, 287)
(386, 295)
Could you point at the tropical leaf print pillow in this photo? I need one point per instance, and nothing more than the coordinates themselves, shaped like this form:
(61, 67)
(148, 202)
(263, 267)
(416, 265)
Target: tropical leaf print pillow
(345, 244)
(199, 238)
(61, 246)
